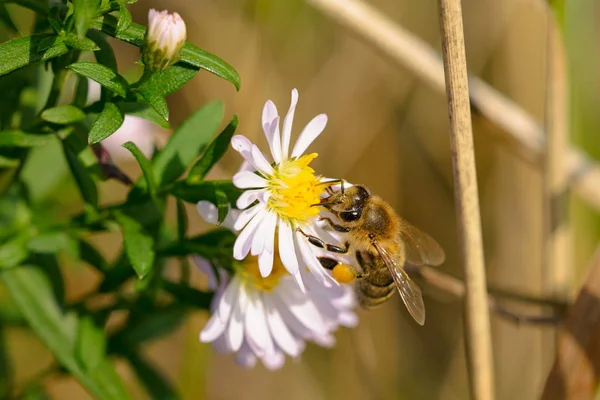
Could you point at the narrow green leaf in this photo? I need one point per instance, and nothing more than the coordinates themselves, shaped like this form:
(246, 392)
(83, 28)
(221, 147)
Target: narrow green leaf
(213, 153)
(81, 43)
(32, 292)
(206, 190)
(80, 97)
(108, 122)
(6, 162)
(23, 51)
(144, 111)
(105, 55)
(14, 138)
(63, 115)
(90, 348)
(156, 385)
(144, 165)
(13, 252)
(139, 245)
(84, 180)
(92, 256)
(163, 83)
(182, 220)
(187, 142)
(103, 75)
(189, 54)
(188, 295)
(161, 322)
(84, 11)
(6, 19)
(39, 6)
(125, 19)
(222, 204)
(197, 57)
(53, 242)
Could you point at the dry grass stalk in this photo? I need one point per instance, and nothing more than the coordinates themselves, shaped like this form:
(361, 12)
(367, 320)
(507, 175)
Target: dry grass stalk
(477, 319)
(519, 128)
(576, 370)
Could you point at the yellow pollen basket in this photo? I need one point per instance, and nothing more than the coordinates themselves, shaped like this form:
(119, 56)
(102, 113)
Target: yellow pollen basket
(343, 273)
(251, 273)
(294, 188)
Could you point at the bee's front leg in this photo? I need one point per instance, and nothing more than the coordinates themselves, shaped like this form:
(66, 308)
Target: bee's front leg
(315, 241)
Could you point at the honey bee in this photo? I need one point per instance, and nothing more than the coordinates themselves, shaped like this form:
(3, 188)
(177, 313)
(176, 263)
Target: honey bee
(382, 242)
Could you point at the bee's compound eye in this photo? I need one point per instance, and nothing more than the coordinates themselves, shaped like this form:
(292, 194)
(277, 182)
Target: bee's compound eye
(343, 273)
(350, 216)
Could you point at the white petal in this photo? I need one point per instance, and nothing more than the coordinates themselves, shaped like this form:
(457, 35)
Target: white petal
(265, 262)
(246, 166)
(208, 211)
(326, 340)
(348, 319)
(265, 259)
(287, 126)
(248, 180)
(281, 334)
(312, 263)
(220, 345)
(228, 300)
(275, 142)
(247, 215)
(312, 130)
(287, 250)
(204, 266)
(242, 145)
(265, 230)
(235, 329)
(269, 114)
(247, 197)
(300, 306)
(274, 360)
(243, 243)
(245, 357)
(260, 162)
(256, 330)
(213, 329)
(230, 219)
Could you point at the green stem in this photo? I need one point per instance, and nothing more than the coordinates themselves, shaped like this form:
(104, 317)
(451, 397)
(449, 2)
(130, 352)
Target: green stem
(57, 85)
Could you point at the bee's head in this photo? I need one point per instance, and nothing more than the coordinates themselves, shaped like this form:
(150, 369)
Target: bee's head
(347, 204)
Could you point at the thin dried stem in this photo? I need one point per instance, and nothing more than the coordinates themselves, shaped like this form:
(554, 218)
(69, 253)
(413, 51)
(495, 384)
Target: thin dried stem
(477, 319)
(511, 122)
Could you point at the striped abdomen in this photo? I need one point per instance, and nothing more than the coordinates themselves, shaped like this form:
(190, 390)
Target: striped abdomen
(378, 285)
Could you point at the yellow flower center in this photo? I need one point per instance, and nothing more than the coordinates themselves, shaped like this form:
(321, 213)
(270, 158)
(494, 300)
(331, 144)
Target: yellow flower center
(251, 274)
(294, 188)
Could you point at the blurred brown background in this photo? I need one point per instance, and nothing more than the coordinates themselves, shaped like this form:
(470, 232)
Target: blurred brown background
(390, 132)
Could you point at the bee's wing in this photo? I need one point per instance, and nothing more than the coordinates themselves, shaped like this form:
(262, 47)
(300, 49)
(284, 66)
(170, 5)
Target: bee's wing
(420, 247)
(409, 291)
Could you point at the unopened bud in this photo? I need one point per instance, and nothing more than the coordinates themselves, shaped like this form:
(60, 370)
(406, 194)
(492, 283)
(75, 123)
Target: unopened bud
(165, 37)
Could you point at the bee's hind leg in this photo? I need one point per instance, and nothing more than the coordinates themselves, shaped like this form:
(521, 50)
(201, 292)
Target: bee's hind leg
(315, 241)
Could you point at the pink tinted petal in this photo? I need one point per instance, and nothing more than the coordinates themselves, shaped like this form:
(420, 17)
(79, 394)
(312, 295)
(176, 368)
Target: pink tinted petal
(208, 211)
(213, 329)
(204, 266)
(300, 306)
(242, 145)
(248, 197)
(245, 357)
(221, 346)
(281, 334)
(312, 130)
(228, 300)
(348, 319)
(256, 331)
(248, 180)
(246, 166)
(260, 162)
(275, 142)
(287, 126)
(274, 360)
(235, 330)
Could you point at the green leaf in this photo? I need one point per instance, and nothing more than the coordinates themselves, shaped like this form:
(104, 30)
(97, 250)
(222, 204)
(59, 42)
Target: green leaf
(6, 19)
(92, 256)
(213, 153)
(206, 190)
(81, 43)
(144, 165)
(108, 122)
(160, 84)
(32, 292)
(188, 295)
(81, 92)
(189, 54)
(23, 51)
(63, 115)
(105, 55)
(222, 203)
(90, 348)
(39, 6)
(139, 245)
(103, 75)
(187, 142)
(156, 385)
(6, 162)
(84, 11)
(14, 138)
(182, 220)
(13, 252)
(144, 111)
(125, 19)
(84, 181)
(53, 242)
(161, 322)
(197, 57)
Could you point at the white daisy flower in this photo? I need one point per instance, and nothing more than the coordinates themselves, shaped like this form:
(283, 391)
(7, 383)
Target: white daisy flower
(284, 193)
(268, 318)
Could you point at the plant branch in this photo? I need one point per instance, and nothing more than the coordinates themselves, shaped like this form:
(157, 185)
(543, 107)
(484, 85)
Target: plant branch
(478, 341)
(510, 121)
